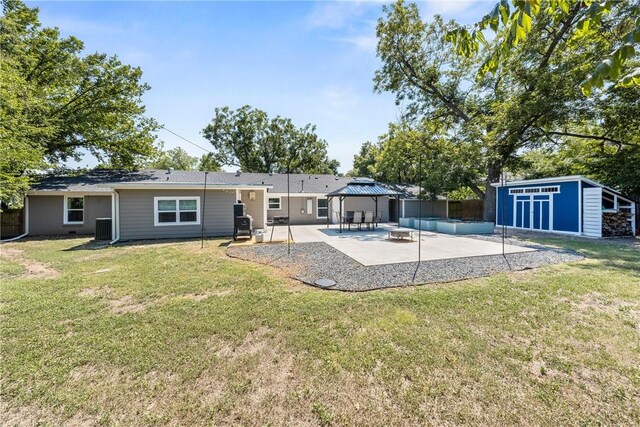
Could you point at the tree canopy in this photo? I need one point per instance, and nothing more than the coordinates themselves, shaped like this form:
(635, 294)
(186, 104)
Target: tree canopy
(249, 139)
(513, 23)
(531, 99)
(57, 103)
(178, 159)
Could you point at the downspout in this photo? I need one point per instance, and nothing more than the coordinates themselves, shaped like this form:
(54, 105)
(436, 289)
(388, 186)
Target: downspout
(115, 217)
(26, 223)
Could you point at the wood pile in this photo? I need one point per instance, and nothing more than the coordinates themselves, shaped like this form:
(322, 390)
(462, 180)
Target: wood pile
(616, 224)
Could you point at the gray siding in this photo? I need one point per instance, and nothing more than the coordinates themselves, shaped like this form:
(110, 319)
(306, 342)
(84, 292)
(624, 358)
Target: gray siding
(137, 214)
(365, 204)
(255, 208)
(412, 208)
(46, 215)
(298, 214)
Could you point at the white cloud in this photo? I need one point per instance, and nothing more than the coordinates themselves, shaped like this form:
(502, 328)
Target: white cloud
(463, 11)
(366, 43)
(339, 14)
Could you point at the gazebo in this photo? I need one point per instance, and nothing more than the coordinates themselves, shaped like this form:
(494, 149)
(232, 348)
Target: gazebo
(361, 188)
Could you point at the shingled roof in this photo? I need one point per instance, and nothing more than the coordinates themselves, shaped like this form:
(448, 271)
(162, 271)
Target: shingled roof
(101, 180)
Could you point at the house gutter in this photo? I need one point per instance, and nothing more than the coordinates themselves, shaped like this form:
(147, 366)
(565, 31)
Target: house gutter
(26, 223)
(115, 217)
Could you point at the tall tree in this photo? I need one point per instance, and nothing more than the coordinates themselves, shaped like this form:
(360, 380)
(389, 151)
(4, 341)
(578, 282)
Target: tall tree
(513, 23)
(56, 102)
(531, 99)
(209, 162)
(176, 158)
(247, 138)
(365, 162)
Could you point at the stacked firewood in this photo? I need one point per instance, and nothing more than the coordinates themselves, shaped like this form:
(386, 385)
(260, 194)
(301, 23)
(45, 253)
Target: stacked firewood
(616, 224)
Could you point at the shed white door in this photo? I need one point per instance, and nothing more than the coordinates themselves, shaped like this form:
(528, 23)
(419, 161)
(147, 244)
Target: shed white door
(592, 212)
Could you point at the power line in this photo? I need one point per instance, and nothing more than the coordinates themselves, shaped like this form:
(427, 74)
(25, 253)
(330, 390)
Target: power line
(183, 138)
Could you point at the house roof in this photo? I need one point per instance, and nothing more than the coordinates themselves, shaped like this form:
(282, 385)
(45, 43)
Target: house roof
(361, 187)
(101, 180)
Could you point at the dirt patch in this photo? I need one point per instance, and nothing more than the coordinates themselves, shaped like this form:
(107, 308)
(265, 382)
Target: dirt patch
(540, 369)
(127, 304)
(204, 295)
(601, 303)
(94, 292)
(33, 269)
(122, 305)
(253, 343)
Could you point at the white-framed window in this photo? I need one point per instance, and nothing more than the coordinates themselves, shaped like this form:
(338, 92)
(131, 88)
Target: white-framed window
(535, 190)
(274, 203)
(176, 210)
(73, 210)
(322, 207)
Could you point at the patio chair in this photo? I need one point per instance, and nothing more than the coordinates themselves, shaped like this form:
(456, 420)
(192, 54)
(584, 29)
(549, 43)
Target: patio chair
(349, 216)
(377, 220)
(357, 220)
(368, 219)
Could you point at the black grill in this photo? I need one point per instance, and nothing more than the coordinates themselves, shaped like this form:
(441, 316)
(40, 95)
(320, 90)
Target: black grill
(242, 223)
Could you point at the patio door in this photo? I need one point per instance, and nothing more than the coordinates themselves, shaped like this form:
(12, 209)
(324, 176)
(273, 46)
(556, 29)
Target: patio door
(541, 214)
(533, 212)
(523, 212)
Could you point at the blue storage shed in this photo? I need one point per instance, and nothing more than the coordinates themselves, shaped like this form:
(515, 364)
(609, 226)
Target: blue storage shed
(568, 204)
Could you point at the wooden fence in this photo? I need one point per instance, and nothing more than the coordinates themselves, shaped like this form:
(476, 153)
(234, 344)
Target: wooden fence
(11, 223)
(465, 209)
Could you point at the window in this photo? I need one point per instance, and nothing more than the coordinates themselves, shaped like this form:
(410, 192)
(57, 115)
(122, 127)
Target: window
(177, 210)
(322, 208)
(274, 203)
(534, 190)
(73, 210)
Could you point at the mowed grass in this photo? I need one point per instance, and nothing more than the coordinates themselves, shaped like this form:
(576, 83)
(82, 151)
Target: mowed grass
(170, 334)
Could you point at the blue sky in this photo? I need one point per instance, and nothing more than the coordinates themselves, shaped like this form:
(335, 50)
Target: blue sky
(310, 61)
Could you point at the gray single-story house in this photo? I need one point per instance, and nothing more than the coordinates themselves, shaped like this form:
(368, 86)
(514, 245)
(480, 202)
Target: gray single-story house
(151, 204)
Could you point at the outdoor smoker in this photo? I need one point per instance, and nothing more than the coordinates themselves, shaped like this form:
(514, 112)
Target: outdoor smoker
(242, 223)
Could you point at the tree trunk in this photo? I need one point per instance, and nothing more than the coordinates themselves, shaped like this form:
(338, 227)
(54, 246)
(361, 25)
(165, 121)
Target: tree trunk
(489, 200)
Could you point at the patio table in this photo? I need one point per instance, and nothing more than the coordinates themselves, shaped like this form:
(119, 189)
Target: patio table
(400, 234)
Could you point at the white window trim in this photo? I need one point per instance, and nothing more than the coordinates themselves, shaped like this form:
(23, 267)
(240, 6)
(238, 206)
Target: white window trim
(177, 199)
(318, 208)
(522, 191)
(279, 203)
(65, 219)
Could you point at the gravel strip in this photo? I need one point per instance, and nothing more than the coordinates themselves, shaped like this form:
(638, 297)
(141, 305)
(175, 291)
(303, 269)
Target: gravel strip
(309, 262)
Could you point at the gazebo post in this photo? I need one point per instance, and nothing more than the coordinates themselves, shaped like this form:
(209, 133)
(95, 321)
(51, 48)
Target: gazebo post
(328, 210)
(341, 198)
(398, 208)
(375, 199)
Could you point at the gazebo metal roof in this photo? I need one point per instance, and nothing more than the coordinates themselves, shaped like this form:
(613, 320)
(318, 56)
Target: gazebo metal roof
(362, 188)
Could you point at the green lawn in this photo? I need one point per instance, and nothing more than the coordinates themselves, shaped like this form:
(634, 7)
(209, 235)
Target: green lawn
(168, 333)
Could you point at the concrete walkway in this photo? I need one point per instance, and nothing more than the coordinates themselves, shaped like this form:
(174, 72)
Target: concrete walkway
(372, 247)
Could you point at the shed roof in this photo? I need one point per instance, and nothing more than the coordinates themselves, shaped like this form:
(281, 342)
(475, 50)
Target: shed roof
(362, 187)
(552, 180)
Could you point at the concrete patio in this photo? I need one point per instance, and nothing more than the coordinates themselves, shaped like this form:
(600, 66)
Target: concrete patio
(370, 247)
